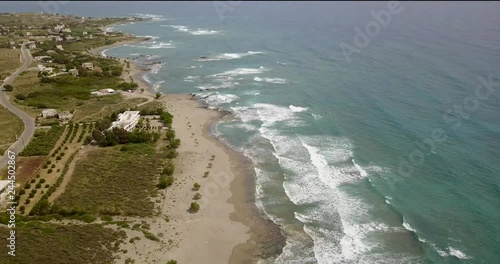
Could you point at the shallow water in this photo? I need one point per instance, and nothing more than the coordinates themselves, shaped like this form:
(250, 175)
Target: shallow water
(344, 153)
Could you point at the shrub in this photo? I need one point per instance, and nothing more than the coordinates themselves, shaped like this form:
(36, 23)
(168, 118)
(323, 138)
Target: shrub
(22, 191)
(47, 185)
(165, 181)
(175, 143)
(49, 170)
(172, 261)
(27, 201)
(195, 207)
(196, 186)
(53, 166)
(31, 195)
(106, 218)
(38, 186)
(169, 168)
(27, 186)
(32, 181)
(197, 196)
(205, 174)
(42, 181)
(8, 88)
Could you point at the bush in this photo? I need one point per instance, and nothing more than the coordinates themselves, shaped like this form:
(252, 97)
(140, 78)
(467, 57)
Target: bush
(205, 174)
(195, 207)
(42, 181)
(169, 168)
(21, 192)
(8, 88)
(38, 186)
(197, 196)
(165, 181)
(31, 195)
(27, 186)
(175, 143)
(196, 186)
(172, 261)
(27, 201)
(21, 97)
(32, 181)
(49, 170)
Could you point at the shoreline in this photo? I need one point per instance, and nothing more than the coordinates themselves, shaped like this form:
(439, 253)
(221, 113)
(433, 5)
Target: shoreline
(248, 235)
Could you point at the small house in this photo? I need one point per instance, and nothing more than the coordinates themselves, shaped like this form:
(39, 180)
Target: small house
(88, 65)
(64, 116)
(73, 72)
(49, 113)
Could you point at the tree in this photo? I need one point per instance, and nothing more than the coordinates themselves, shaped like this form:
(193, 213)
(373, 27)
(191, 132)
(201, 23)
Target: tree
(158, 95)
(8, 88)
(97, 136)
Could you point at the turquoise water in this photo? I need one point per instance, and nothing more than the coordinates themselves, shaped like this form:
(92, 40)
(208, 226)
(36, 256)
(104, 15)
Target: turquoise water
(346, 155)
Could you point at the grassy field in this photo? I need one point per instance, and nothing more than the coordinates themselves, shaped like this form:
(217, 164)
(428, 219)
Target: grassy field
(104, 106)
(9, 62)
(38, 242)
(118, 180)
(11, 126)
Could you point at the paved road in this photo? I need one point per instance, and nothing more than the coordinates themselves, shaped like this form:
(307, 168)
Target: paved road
(29, 122)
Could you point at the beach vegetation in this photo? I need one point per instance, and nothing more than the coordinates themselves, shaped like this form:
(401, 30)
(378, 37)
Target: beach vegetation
(195, 207)
(197, 196)
(196, 186)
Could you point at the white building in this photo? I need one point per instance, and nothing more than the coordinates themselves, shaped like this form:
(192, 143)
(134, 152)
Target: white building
(59, 47)
(88, 65)
(49, 113)
(127, 120)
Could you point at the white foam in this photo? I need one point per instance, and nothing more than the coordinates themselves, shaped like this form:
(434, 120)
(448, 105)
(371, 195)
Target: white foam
(191, 78)
(216, 99)
(408, 227)
(229, 56)
(361, 170)
(240, 71)
(297, 109)
(222, 85)
(317, 116)
(270, 80)
(457, 253)
(196, 32)
(157, 84)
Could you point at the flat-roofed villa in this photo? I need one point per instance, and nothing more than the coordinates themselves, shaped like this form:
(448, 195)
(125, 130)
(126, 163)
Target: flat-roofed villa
(127, 120)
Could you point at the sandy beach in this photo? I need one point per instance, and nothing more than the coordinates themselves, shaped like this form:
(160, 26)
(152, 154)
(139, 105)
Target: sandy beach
(228, 227)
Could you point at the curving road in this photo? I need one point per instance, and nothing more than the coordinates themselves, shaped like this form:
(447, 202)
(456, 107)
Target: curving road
(29, 122)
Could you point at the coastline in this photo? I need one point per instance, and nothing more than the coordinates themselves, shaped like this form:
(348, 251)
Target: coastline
(229, 228)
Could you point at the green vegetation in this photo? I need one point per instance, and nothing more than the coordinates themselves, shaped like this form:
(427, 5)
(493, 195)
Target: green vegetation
(8, 88)
(43, 143)
(196, 186)
(113, 182)
(11, 126)
(195, 207)
(50, 243)
(197, 196)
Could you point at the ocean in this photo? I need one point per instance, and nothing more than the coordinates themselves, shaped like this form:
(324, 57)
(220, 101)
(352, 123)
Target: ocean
(384, 155)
